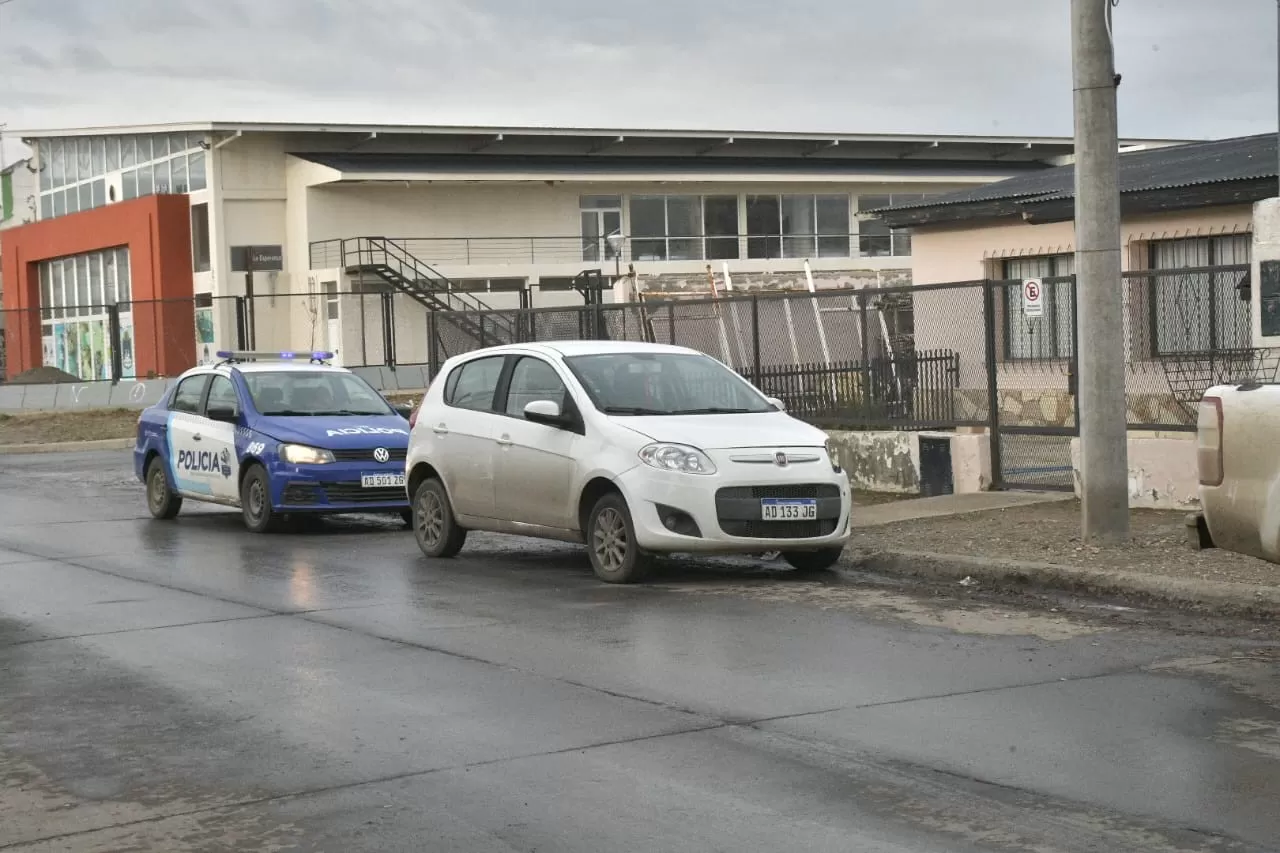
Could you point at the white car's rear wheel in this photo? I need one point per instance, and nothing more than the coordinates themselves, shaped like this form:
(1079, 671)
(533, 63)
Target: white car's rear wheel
(434, 527)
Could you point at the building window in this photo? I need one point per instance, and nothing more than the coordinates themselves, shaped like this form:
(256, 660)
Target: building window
(684, 227)
(74, 295)
(1051, 335)
(797, 226)
(601, 217)
(877, 240)
(200, 253)
(1193, 308)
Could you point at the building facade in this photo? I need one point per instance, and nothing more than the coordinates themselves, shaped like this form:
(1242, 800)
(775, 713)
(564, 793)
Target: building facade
(345, 237)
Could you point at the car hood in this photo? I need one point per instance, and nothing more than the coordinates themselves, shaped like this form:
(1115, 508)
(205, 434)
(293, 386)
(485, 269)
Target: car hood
(338, 432)
(724, 432)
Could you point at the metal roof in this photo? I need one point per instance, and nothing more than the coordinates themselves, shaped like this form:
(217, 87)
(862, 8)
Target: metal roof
(1246, 158)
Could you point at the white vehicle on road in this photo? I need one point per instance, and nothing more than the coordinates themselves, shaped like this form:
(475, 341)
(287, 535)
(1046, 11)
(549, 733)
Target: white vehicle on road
(634, 449)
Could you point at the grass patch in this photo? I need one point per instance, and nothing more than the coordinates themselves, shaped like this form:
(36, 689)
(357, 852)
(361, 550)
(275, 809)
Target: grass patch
(52, 427)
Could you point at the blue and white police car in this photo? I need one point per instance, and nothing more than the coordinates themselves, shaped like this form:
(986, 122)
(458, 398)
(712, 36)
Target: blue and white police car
(275, 434)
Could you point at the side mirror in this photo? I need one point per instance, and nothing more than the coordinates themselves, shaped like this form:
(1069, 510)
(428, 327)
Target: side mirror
(404, 410)
(544, 412)
(777, 404)
(223, 414)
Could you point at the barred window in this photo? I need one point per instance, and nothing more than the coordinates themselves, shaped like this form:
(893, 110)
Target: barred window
(1051, 335)
(1194, 308)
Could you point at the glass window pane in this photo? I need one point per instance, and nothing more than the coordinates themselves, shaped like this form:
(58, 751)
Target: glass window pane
(123, 283)
(46, 285)
(160, 145)
(128, 152)
(531, 380)
(648, 216)
(113, 153)
(195, 171)
(177, 142)
(144, 149)
(600, 202)
(98, 151)
(84, 297)
(833, 215)
(72, 196)
(200, 254)
(684, 216)
(833, 247)
(99, 193)
(59, 203)
(797, 215)
(109, 292)
(160, 178)
(84, 159)
(129, 184)
(763, 217)
(44, 156)
(95, 279)
(145, 185)
(178, 178)
(58, 297)
(86, 196)
(720, 216)
(46, 206)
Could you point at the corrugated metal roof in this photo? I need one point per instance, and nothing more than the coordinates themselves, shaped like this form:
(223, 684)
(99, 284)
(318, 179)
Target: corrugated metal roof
(1199, 163)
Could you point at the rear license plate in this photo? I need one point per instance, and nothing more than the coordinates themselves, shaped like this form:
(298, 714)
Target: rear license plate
(788, 509)
(381, 481)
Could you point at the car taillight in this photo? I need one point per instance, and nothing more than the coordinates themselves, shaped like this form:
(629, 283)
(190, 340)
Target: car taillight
(1209, 442)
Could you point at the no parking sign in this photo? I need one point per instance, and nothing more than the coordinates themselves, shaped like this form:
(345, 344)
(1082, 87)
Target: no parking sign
(1032, 297)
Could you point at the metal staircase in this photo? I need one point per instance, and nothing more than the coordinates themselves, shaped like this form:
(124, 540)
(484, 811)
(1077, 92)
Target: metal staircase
(391, 262)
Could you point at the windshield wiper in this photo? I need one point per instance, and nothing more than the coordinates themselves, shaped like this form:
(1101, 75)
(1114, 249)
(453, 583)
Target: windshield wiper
(717, 410)
(352, 412)
(632, 410)
(287, 413)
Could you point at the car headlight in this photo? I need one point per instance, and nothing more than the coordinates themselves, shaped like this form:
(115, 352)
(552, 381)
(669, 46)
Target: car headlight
(833, 453)
(300, 454)
(677, 457)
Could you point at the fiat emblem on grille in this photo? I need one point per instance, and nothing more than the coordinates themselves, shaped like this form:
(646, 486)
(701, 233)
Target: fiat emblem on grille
(381, 454)
(781, 459)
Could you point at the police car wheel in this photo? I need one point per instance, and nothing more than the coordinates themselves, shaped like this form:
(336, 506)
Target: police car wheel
(163, 502)
(434, 527)
(255, 502)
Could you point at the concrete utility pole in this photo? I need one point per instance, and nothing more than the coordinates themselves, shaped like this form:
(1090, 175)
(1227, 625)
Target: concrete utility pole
(1104, 469)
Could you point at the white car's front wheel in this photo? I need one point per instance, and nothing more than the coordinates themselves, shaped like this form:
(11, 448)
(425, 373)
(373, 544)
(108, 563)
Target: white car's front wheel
(616, 557)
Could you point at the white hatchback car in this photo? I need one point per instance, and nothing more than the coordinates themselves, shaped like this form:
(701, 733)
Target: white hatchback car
(634, 449)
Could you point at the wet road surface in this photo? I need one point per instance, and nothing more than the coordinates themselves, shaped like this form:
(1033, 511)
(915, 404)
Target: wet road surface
(188, 686)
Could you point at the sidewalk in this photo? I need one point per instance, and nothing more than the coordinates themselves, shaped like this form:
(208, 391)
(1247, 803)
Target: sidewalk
(1025, 539)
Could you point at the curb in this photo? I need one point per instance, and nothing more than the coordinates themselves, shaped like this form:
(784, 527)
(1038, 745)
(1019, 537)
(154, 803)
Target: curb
(68, 446)
(1217, 597)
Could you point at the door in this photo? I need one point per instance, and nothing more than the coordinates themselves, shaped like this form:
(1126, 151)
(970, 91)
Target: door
(220, 437)
(597, 226)
(333, 328)
(192, 463)
(463, 435)
(534, 462)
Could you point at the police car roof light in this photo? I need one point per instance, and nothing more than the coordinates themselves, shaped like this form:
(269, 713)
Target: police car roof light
(233, 356)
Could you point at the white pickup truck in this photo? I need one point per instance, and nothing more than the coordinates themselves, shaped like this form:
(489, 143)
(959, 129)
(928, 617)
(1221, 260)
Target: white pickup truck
(1238, 455)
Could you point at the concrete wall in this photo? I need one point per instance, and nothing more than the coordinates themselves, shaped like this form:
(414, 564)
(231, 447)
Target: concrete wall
(889, 461)
(1162, 471)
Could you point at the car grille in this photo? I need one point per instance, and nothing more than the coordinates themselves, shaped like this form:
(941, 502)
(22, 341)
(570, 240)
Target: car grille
(301, 494)
(738, 511)
(780, 529)
(353, 492)
(365, 454)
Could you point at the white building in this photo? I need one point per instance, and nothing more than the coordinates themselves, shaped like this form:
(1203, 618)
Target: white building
(353, 228)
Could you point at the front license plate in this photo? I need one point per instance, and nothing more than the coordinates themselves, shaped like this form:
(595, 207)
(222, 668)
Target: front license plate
(381, 481)
(788, 509)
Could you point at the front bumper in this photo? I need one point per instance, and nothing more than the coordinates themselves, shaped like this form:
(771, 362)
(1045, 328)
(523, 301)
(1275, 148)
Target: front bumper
(335, 487)
(726, 508)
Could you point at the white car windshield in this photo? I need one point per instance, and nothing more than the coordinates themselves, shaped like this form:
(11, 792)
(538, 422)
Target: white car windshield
(642, 383)
(299, 393)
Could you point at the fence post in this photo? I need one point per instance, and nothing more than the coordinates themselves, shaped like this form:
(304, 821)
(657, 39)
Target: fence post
(242, 324)
(113, 336)
(993, 389)
(671, 322)
(389, 330)
(755, 338)
(865, 362)
(433, 353)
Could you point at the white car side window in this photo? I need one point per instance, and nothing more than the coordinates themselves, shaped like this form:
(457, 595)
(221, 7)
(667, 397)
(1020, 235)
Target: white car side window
(473, 385)
(533, 379)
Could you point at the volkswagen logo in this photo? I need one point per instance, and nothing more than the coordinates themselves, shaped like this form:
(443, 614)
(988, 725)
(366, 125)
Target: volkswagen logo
(781, 459)
(381, 454)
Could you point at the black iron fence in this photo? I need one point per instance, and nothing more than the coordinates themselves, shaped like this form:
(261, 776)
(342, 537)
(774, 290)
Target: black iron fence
(925, 356)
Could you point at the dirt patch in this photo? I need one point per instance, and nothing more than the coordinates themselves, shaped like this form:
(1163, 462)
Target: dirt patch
(51, 427)
(1050, 533)
(43, 376)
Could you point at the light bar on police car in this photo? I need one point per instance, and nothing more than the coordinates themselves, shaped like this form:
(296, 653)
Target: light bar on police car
(242, 355)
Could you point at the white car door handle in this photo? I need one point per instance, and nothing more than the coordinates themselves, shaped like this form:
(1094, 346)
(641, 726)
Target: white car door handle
(195, 437)
(505, 441)
(440, 429)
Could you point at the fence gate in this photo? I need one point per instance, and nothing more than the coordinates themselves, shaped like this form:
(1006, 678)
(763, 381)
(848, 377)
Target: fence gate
(1031, 380)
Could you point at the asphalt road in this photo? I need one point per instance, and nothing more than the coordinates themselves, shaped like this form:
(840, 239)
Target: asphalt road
(187, 686)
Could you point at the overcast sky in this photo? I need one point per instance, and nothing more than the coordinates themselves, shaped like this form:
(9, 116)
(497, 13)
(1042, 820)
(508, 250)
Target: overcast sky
(1191, 68)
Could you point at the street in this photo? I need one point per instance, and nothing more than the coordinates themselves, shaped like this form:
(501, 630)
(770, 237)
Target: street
(189, 686)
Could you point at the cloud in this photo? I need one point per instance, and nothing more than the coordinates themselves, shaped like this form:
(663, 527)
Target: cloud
(929, 66)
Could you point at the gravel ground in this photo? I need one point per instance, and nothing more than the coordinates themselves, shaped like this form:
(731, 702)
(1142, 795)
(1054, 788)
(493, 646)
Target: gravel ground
(1050, 533)
(87, 425)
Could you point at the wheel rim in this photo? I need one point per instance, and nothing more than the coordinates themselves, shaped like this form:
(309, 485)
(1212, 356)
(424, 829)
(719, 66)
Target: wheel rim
(609, 539)
(430, 518)
(157, 490)
(257, 499)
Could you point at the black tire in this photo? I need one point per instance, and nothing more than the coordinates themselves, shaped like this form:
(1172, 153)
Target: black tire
(611, 542)
(162, 500)
(255, 502)
(406, 515)
(434, 526)
(813, 561)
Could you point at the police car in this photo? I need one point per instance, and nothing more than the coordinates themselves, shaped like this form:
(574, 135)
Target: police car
(275, 434)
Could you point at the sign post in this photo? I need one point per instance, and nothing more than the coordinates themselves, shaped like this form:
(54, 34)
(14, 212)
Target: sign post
(1032, 297)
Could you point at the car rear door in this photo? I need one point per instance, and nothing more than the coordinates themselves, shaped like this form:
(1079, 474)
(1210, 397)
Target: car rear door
(220, 437)
(464, 429)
